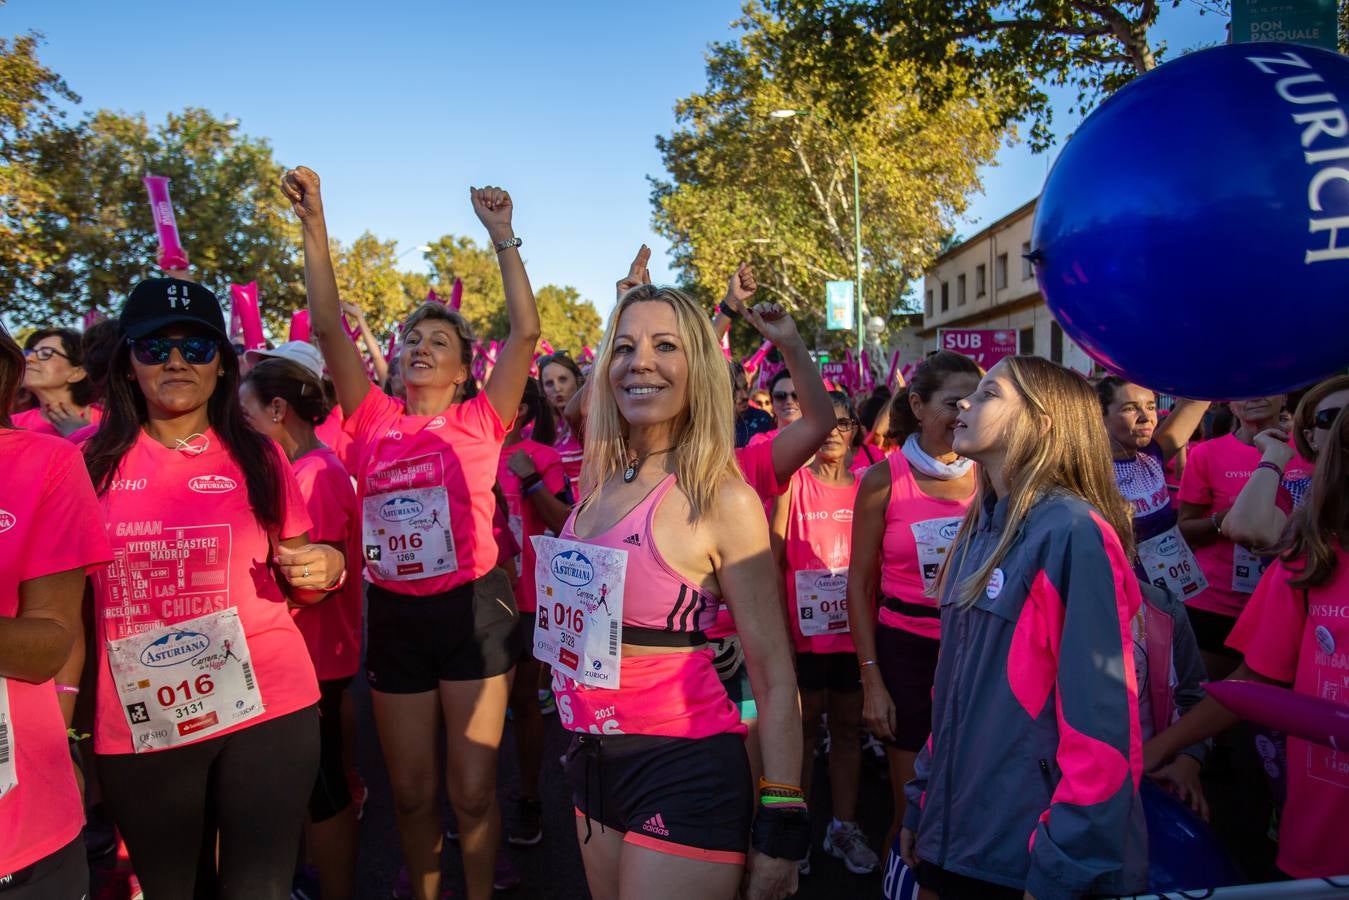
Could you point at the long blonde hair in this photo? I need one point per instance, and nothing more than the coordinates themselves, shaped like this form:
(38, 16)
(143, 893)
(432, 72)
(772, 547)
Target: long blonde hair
(1321, 524)
(704, 434)
(1073, 458)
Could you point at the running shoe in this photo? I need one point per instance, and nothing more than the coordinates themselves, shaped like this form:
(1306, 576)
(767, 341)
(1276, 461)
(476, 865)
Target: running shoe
(873, 743)
(847, 842)
(528, 828)
(504, 876)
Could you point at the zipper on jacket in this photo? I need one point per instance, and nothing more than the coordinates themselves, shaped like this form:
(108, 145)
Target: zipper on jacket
(951, 736)
(1049, 782)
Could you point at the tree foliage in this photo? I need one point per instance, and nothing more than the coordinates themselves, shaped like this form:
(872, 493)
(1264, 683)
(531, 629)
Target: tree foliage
(569, 323)
(779, 192)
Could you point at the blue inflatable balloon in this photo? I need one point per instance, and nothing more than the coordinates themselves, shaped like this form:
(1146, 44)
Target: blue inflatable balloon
(1183, 852)
(1193, 235)
(898, 881)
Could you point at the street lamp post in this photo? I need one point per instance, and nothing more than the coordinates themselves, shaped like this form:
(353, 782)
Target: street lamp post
(857, 230)
(425, 248)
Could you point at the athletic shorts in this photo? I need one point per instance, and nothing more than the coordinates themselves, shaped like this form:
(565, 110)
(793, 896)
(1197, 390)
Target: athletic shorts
(466, 634)
(687, 797)
(1211, 630)
(63, 875)
(950, 886)
(331, 793)
(835, 672)
(908, 664)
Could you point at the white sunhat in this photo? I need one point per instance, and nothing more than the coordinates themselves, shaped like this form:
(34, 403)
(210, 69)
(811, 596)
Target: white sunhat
(302, 352)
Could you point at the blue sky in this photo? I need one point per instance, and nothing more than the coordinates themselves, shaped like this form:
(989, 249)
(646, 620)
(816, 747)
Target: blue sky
(401, 105)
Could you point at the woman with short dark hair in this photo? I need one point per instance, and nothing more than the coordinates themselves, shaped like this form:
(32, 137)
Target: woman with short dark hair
(56, 378)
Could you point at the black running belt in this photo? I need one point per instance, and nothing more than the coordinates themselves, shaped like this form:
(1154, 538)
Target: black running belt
(905, 608)
(659, 637)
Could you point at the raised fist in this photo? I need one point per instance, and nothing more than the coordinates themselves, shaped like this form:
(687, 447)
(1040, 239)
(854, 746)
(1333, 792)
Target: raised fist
(493, 207)
(638, 274)
(301, 187)
(740, 288)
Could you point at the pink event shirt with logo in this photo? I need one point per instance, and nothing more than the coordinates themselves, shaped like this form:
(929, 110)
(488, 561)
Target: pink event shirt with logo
(1303, 639)
(819, 536)
(549, 465)
(1215, 473)
(49, 523)
(465, 442)
(332, 627)
(33, 420)
(193, 511)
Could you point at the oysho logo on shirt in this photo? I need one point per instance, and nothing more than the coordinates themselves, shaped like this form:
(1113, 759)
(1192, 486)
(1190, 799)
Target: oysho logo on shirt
(7, 520)
(129, 484)
(212, 484)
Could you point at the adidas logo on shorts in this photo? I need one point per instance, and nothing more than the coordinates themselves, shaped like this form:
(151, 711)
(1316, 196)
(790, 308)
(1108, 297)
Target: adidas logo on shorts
(633, 539)
(656, 825)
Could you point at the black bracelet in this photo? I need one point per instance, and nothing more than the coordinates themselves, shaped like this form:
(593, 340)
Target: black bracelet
(529, 481)
(781, 833)
(726, 311)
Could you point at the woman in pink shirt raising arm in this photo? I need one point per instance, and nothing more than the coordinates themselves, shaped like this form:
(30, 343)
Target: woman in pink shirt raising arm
(443, 633)
(51, 531)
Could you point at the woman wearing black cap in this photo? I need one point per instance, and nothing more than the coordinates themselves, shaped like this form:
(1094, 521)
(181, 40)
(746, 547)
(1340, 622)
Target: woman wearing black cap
(205, 723)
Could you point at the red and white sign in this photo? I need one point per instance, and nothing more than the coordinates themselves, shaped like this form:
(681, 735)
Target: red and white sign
(986, 346)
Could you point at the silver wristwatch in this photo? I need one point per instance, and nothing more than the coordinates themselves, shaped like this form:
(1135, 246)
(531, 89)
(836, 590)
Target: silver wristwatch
(507, 244)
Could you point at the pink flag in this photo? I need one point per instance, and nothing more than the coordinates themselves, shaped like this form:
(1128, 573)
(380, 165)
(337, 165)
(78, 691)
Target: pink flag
(586, 354)
(726, 345)
(868, 379)
(546, 347)
(890, 376)
(456, 294)
(752, 364)
(92, 318)
(244, 306)
(393, 345)
(492, 349)
(299, 325)
(171, 252)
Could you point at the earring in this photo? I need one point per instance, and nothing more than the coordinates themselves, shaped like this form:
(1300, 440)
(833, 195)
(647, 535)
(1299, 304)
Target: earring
(275, 420)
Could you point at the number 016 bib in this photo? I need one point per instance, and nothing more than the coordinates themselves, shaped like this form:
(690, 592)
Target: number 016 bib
(822, 601)
(579, 625)
(405, 521)
(182, 683)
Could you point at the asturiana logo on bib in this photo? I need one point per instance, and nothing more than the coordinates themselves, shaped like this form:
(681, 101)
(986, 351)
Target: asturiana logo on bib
(7, 520)
(171, 649)
(831, 582)
(949, 531)
(571, 567)
(400, 509)
(212, 484)
(1169, 545)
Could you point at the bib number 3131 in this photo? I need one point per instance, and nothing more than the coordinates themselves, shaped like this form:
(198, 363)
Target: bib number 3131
(185, 682)
(579, 625)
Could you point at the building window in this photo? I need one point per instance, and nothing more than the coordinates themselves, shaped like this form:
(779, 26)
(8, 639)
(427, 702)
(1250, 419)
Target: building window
(1027, 270)
(945, 297)
(1055, 343)
(960, 290)
(980, 280)
(1026, 342)
(927, 308)
(1000, 272)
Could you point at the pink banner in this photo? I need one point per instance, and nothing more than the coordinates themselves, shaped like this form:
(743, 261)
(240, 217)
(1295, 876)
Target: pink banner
(92, 318)
(244, 311)
(986, 346)
(299, 325)
(868, 379)
(171, 252)
(546, 347)
(393, 346)
(890, 375)
(456, 294)
(587, 355)
(756, 361)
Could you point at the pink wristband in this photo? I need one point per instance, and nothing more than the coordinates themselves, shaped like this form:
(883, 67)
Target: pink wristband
(67, 689)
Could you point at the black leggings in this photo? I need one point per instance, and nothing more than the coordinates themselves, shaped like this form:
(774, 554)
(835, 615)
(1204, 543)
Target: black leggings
(252, 787)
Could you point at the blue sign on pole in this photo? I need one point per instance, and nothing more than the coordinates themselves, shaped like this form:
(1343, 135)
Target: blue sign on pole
(838, 305)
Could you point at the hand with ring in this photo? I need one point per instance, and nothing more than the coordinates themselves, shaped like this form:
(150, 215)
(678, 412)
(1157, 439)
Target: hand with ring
(313, 567)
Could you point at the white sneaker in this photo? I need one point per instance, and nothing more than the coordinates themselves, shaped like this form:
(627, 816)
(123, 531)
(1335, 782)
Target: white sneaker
(848, 843)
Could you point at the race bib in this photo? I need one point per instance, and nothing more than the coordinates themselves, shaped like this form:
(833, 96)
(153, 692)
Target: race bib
(1169, 563)
(182, 683)
(822, 601)
(9, 772)
(578, 629)
(1246, 569)
(407, 534)
(933, 538)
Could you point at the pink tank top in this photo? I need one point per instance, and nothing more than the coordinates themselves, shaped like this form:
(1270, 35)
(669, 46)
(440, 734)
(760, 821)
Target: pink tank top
(674, 694)
(819, 538)
(919, 530)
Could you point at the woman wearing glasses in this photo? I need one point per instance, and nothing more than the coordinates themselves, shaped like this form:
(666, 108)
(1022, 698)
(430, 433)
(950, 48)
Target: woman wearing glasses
(205, 719)
(55, 376)
(560, 378)
(812, 540)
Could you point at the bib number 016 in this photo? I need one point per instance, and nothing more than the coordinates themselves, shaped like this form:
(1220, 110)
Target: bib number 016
(168, 695)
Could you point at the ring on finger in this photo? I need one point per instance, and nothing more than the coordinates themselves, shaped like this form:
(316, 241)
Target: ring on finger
(306, 572)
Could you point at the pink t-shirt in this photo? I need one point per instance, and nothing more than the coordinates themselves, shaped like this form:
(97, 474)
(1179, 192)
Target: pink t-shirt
(1303, 639)
(332, 627)
(331, 432)
(524, 519)
(423, 478)
(1215, 473)
(907, 569)
(756, 465)
(864, 457)
(33, 420)
(185, 543)
(571, 451)
(49, 523)
(819, 537)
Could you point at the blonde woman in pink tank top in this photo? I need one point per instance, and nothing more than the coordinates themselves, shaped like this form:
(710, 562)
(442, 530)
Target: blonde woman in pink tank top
(908, 510)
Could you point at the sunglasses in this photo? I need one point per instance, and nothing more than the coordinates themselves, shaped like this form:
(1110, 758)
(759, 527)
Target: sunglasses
(784, 396)
(1326, 417)
(154, 351)
(44, 353)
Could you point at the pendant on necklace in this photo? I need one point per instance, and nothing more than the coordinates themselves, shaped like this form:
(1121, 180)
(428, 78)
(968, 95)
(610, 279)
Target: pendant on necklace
(630, 473)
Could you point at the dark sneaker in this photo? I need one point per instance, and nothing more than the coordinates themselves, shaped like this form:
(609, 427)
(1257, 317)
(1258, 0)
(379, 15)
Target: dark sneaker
(528, 828)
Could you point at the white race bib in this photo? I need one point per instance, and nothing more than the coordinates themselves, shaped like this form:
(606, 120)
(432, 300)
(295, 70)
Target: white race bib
(578, 629)
(933, 538)
(182, 683)
(1169, 563)
(9, 772)
(1247, 569)
(407, 534)
(822, 601)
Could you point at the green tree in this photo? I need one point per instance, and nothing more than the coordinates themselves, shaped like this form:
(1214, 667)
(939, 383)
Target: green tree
(779, 193)
(569, 323)
(368, 276)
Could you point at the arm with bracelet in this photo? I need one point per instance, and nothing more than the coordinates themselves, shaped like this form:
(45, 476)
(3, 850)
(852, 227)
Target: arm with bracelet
(1255, 519)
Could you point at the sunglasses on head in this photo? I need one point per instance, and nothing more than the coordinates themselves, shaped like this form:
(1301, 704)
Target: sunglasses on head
(155, 351)
(784, 396)
(44, 353)
(1324, 418)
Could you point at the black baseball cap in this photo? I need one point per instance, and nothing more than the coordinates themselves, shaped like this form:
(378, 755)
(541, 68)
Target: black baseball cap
(158, 302)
